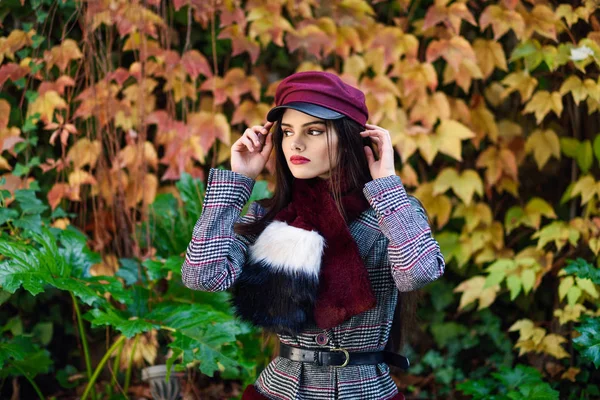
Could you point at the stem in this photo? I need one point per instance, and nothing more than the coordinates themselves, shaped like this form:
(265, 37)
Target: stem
(115, 368)
(105, 358)
(84, 344)
(37, 389)
(129, 365)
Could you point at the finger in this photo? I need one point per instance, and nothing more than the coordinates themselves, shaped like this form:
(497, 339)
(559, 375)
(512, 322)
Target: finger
(246, 140)
(266, 150)
(254, 137)
(238, 145)
(369, 155)
(376, 127)
(259, 129)
(268, 125)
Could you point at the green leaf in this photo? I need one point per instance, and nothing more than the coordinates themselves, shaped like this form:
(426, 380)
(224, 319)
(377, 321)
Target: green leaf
(128, 270)
(513, 282)
(7, 214)
(479, 389)
(259, 191)
(28, 202)
(596, 146)
(31, 95)
(588, 343)
(585, 156)
(33, 364)
(65, 377)
(446, 332)
(538, 391)
(29, 223)
(129, 327)
(37, 41)
(76, 253)
(512, 378)
(43, 332)
(583, 269)
(569, 146)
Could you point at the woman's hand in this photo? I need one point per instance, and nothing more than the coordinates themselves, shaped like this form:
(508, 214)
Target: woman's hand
(250, 153)
(384, 166)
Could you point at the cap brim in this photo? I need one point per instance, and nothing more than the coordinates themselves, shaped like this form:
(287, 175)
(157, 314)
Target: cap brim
(311, 109)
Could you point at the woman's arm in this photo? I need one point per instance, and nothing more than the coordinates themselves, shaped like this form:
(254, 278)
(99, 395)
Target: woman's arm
(215, 255)
(414, 254)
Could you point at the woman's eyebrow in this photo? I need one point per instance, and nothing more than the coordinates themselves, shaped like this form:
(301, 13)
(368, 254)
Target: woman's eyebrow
(317, 121)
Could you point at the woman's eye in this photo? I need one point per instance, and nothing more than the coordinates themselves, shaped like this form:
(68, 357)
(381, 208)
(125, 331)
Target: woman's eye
(314, 132)
(287, 133)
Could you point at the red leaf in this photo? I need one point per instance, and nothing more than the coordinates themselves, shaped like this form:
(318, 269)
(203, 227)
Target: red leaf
(12, 71)
(240, 42)
(120, 75)
(195, 64)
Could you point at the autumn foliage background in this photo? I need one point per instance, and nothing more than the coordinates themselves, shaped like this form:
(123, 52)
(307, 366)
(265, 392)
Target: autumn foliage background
(112, 112)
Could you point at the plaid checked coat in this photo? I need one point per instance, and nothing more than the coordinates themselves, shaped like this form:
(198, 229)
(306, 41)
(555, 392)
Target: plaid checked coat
(395, 242)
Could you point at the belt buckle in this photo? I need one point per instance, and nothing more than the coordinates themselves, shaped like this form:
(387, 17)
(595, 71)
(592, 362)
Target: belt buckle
(347, 357)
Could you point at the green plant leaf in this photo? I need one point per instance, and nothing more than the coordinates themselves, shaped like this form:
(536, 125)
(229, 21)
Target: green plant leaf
(76, 253)
(588, 343)
(569, 146)
(28, 202)
(192, 193)
(585, 156)
(583, 269)
(129, 327)
(43, 332)
(596, 147)
(128, 270)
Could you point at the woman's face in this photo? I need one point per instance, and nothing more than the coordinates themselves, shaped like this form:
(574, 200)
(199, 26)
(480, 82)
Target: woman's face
(305, 147)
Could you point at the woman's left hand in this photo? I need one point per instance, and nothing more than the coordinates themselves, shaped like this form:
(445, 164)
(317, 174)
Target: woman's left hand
(384, 166)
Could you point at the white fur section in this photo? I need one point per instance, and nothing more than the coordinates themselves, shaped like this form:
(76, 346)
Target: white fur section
(286, 248)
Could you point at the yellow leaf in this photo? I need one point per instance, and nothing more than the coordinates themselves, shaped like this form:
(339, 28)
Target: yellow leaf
(448, 137)
(542, 103)
(571, 374)
(543, 144)
(473, 289)
(354, 66)
(569, 313)
(587, 286)
(484, 123)
(587, 187)
(541, 20)
(521, 81)
(489, 55)
(475, 214)
(16, 40)
(525, 328)
(464, 185)
(61, 223)
(438, 206)
(575, 86)
(84, 152)
(559, 232)
(572, 16)
(108, 267)
(552, 345)
(535, 208)
(45, 105)
(502, 20)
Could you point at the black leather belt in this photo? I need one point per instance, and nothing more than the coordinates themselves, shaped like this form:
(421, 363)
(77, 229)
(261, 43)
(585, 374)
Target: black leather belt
(342, 357)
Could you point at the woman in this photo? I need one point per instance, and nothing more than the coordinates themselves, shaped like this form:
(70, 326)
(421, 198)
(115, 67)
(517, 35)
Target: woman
(322, 261)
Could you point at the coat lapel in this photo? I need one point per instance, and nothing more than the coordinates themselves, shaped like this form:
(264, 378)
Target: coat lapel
(365, 231)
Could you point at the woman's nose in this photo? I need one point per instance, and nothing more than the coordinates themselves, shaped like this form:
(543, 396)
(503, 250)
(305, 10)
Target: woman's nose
(297, 146)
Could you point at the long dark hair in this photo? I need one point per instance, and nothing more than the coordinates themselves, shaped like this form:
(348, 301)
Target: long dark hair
(352, 164)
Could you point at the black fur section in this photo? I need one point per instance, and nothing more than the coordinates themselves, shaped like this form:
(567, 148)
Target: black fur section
(274, 300)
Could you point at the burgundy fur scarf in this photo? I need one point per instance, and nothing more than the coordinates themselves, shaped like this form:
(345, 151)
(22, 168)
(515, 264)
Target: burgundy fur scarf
(305, 267)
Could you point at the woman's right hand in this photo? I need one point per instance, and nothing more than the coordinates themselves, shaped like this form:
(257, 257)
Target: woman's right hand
(250, 153)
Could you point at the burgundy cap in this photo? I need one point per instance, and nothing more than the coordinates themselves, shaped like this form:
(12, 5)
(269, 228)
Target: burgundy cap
(320, 94)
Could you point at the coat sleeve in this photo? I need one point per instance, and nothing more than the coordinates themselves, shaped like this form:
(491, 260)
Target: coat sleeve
(414, 254)
(215, 254)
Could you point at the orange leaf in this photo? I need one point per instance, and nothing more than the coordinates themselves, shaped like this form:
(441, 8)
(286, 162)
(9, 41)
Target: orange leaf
(395, 43)
(56, 194)
(502, 20)
(250, 113)
(84, 152)
(208, 127)
(12, 71)
(268, 25)
(467, 71)
(16, 40)
(62, 55)
(240, 42)
(233, 85)
(312, 38)
(451, 16)
(453, 50)
(195, 64)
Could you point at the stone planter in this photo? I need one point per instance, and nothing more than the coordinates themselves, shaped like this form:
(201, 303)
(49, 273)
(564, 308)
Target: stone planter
(156, 376)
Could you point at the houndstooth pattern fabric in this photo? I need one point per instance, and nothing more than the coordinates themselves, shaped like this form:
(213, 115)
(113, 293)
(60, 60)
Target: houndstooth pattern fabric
(395, 242)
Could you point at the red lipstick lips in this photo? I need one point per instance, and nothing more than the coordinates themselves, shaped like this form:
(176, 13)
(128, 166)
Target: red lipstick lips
(299, 160)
